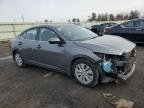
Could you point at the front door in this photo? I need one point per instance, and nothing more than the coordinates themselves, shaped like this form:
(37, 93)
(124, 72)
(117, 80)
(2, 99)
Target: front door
(49, 54)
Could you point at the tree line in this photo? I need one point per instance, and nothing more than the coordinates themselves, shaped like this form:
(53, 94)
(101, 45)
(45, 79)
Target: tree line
(134, 14)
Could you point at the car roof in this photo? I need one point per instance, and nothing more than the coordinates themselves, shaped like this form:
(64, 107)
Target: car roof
(133, 20)
(54, 25)
(50, 25)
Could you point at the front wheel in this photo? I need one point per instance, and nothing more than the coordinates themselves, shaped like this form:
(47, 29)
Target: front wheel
(85, 72)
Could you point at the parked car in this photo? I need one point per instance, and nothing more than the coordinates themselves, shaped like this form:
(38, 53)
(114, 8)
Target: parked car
(95, 28)
(132, 30)
(75, 51)
(99, 29)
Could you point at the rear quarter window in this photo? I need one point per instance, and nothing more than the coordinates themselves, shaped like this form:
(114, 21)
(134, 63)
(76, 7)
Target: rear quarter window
(128, 24)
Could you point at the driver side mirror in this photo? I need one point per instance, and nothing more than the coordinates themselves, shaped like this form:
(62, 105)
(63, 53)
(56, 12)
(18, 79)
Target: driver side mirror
(55, 40)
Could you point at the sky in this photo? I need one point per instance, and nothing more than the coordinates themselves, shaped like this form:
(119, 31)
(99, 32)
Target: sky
(62, 10)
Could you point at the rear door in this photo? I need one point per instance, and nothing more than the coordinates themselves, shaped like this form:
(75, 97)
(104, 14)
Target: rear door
(139, 31)
(127, 30)
(29, 42)
(132, 30)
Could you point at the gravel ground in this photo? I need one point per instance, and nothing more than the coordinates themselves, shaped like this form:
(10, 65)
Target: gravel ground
(34, 87)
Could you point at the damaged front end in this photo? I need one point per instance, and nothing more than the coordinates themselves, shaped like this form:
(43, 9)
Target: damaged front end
(119, 66)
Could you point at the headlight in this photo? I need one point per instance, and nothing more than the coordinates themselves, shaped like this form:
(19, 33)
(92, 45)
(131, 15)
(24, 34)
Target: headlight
(106, 63)
(101, 55)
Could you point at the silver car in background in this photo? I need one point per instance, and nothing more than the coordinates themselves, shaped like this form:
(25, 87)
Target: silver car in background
(75, 51)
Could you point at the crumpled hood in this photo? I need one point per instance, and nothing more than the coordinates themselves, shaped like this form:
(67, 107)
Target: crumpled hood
(108, 44)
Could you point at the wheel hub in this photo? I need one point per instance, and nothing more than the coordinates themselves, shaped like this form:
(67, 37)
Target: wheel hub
(18, 59)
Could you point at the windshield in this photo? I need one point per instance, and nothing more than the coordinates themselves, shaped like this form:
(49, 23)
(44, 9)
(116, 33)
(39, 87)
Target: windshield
(75, 32)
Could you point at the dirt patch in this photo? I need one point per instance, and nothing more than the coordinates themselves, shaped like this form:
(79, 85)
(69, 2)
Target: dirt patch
(118, 103)
(4, 48)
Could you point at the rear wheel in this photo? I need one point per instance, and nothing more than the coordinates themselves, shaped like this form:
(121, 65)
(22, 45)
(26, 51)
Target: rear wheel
(100, 33)
(86, 72)
(19, 60)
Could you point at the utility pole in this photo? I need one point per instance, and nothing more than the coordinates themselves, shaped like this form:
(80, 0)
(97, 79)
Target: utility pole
(22, 18)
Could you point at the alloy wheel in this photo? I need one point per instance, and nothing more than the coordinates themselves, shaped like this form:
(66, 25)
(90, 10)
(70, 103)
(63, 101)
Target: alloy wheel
(84, 73)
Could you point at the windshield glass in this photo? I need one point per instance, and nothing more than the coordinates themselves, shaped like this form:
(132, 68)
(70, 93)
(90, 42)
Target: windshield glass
(75, 33)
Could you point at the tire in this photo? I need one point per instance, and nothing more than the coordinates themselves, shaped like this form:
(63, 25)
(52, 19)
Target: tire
(100, 33)
(19, 59)
(86, 72)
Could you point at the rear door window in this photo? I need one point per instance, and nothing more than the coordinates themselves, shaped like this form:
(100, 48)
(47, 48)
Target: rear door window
(137, 23)
(128, 24)
(31, 34)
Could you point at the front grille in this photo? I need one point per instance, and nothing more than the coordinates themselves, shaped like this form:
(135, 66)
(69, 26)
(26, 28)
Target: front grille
(128, 60)
(121, 64)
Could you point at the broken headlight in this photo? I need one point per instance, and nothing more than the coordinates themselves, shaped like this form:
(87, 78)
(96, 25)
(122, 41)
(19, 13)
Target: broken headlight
(106, 63)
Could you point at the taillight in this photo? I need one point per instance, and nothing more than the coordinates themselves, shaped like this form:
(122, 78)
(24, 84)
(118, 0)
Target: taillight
(106, 30)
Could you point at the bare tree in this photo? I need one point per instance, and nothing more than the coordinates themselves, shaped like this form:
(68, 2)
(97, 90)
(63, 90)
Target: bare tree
(105, 17)
(74, 20)
(99, 17)
(119, 17)
(93, 17)
(78, 20)
(134, 15)
(126, 17)
(111, 17)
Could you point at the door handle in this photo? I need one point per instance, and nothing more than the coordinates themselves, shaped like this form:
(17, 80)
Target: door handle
(138, 29)
(20, 43)
(38, 47)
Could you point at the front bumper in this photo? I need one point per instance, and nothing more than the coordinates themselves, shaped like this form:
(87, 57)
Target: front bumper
(125, 77)
(122, 66)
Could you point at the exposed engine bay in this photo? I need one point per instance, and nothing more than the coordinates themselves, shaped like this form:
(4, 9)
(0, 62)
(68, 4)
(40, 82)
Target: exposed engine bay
(119, 66)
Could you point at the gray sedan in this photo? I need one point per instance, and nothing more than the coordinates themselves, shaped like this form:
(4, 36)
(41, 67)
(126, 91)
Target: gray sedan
(75, 51)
